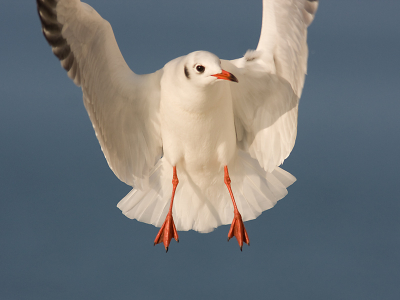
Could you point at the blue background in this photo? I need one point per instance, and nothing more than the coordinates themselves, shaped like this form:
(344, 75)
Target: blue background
(336, 235)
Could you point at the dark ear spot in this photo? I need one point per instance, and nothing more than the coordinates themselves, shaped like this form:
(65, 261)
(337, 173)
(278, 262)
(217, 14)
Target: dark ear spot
(187, 73)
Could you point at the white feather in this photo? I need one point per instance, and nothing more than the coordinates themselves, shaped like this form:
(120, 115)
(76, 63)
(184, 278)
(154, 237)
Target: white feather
(203, 210)
(122, 106)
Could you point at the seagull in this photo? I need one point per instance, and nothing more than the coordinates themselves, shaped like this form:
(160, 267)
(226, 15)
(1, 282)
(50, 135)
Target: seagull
(217, 129)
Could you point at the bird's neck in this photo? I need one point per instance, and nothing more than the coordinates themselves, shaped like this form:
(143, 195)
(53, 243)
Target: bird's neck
(201, 99)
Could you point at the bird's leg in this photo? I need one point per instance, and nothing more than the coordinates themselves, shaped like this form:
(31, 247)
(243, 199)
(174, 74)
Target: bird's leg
(237, 228)
(168, 230)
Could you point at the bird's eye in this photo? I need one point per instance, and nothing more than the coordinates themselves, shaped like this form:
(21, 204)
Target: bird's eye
(200, 68)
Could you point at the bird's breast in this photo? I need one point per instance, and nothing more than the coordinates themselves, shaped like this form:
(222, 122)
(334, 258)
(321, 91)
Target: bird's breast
(198, 141)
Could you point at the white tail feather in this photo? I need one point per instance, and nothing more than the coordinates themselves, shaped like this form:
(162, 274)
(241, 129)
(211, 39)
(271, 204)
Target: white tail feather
(203, 210)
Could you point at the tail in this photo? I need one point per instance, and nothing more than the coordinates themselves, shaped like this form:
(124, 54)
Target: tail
(204, 210)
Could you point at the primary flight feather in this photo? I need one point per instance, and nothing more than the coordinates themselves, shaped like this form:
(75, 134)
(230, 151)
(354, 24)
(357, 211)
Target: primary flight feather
(218, 129)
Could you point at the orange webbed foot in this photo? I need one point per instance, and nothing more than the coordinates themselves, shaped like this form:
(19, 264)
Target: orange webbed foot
(167, 232)
(238, 230)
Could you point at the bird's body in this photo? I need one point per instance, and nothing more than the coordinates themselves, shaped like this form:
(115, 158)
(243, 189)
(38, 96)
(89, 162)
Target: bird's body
(194, 119)
(197, 126)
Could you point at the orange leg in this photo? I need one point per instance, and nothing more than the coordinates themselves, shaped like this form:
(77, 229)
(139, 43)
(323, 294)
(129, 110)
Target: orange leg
(237, 228)
(168, 230)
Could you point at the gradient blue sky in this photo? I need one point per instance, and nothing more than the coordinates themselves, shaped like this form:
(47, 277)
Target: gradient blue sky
(335, 236)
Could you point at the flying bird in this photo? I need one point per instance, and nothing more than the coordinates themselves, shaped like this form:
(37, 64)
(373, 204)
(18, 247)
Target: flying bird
(217, 129)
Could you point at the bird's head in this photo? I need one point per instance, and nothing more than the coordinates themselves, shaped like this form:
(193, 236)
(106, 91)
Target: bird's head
(202, 68)
(191, 82)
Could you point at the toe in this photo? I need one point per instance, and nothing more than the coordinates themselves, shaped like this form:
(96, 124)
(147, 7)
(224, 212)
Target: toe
(239, 231)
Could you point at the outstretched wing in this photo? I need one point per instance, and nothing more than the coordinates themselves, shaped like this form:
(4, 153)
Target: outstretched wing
(122, 106)
(271, 79)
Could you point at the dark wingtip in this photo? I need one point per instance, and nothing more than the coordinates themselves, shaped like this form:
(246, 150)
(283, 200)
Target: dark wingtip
(68, 62)
(62, 52)
(54, 40)
(50, 26)
(46, 10)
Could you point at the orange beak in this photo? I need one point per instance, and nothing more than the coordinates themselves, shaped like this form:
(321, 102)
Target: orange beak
(226, 76)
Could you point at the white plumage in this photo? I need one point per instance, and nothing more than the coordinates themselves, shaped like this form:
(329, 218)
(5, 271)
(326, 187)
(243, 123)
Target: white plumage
(177, 116)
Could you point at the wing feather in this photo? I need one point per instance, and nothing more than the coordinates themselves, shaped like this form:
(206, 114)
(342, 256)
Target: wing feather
(271, 80)
(122, 106)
